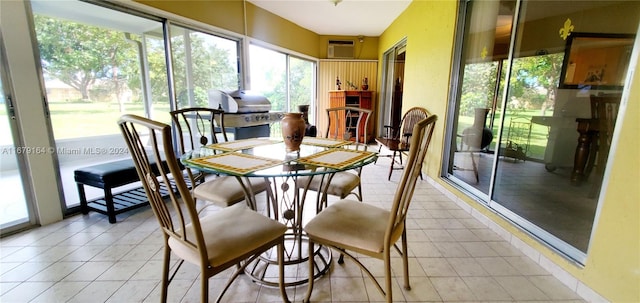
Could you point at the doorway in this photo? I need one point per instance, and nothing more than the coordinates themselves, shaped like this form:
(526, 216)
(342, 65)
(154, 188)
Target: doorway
(393, 80)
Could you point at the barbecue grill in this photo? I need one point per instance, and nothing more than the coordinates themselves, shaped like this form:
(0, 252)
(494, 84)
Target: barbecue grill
(247, 114)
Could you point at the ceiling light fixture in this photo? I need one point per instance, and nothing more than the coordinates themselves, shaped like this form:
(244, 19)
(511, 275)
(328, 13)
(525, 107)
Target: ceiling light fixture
(335, 2)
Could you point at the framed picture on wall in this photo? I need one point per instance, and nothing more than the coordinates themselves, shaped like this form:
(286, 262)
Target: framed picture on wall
(596, 60)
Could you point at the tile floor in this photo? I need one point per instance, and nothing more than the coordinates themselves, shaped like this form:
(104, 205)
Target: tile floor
(453, 258)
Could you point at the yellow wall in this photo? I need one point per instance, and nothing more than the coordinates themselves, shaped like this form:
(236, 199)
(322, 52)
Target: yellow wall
(612, 268)
(429, 27)
(222, 14)
(365, 50)
(261, 24)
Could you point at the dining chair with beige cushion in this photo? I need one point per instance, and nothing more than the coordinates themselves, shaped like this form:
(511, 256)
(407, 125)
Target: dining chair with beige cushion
(228, 237)
(350, 226)
(344, 123)
(197, 127)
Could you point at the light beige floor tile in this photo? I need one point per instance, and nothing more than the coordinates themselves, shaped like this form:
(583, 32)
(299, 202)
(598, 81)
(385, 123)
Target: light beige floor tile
(421, 291)
(55, 253)
(98, 291)
(374, 294)
(467, 267)
(7, 286)
(452, 289)
(453, 257)
(520, 288)
(437, 267)
(177, 290)
(80, 238)
(86, 253)
(486, 289)
(321, 290)
(151, 270)
(348, 290)
(56, 272)
(497, 266)
(89, 271)
(526, 266)
(424, 250)
(451, 249)
(25, 254)
(24, 271)
(122, 270)
(479, 249)
(504, 248)
(113, 253)
(553, 288)
(60, 292)
(25, 292)
(7, 266)
(133, 291)
(142, 252)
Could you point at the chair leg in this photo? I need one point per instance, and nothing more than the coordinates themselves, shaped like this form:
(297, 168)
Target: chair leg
(379, 149)
(475, 168)
(165, 273)
(311, 262)
(387, 276)
(204, 284)
(283, 292)
(405, 260)
(393, 160)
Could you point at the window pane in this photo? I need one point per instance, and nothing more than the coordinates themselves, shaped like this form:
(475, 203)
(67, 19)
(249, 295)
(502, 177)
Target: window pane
(95, 71)
(202, 63)
(269, 76)
(301, 83)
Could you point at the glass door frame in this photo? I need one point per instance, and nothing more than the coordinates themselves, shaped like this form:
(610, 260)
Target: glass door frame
(7, 89)
(487, 199)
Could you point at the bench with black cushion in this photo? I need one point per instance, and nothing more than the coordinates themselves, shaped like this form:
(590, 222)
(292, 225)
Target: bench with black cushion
(109, 176)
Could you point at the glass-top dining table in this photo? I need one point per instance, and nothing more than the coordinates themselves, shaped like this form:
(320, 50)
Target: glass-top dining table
(267, 158)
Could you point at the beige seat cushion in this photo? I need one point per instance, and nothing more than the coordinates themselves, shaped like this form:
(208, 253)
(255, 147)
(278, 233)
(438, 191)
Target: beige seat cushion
(225, 190)
(350, 225)
(341, 184)
(229, 233)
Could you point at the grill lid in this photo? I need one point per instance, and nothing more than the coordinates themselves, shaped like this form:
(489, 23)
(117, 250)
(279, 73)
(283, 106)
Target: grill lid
(239, 101)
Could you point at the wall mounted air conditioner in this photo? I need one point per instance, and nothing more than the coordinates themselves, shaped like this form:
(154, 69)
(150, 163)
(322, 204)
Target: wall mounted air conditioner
(340, 49)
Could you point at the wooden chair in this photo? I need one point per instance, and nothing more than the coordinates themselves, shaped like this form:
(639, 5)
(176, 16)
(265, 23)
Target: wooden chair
(214, 242)
(351, 226)
(344, 123)
(197, 127)
(604, 112)
(397, 140)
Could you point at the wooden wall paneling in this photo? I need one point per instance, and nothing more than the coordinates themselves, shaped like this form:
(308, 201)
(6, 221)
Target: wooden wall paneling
(347, 70)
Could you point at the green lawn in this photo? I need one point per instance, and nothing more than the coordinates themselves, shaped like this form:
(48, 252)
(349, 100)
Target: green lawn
(83, 119)
(537, 140)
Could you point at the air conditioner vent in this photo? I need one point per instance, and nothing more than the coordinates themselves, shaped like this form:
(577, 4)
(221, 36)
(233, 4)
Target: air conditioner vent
(340, 49)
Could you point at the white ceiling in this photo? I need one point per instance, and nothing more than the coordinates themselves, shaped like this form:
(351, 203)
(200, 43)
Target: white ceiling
(348, 17)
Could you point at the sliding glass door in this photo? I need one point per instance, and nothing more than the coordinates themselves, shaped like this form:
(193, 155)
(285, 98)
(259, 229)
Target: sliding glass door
(95, 70)
(15, 210)
(527, 135)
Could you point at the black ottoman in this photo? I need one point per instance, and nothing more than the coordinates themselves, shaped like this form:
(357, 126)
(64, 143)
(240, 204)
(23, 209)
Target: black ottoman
(109, 176)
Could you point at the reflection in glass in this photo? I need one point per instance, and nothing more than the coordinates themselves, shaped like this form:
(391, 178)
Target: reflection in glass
(514, 140)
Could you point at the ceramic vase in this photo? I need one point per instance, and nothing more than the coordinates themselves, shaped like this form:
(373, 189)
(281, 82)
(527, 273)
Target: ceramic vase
(293, 128)
(478, 136)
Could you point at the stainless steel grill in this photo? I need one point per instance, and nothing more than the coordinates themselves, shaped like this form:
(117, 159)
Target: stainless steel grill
(247, 114)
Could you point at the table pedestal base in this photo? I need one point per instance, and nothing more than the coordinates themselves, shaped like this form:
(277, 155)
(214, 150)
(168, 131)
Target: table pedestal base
(264, 270)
